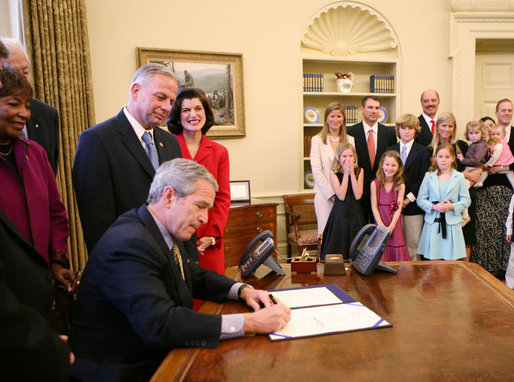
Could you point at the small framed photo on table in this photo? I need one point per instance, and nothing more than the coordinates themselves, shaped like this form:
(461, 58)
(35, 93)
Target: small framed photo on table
(240, 191)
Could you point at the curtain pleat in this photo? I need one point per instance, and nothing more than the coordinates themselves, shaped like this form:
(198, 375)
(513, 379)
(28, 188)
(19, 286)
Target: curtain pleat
(56, 38)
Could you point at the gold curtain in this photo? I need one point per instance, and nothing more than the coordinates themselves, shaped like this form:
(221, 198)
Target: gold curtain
(56, 38)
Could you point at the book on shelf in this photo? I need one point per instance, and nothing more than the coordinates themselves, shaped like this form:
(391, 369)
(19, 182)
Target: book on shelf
(381, 84)
(313, 82)
(351, 112)
(307, 146)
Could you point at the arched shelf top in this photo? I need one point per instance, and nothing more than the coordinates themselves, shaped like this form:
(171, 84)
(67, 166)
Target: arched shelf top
(349, 29)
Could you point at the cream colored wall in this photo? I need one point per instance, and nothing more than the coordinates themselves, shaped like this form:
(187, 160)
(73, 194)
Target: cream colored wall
(268, 34)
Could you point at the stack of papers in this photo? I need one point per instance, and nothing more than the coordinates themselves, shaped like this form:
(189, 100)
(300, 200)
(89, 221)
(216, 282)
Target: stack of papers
(323, 309)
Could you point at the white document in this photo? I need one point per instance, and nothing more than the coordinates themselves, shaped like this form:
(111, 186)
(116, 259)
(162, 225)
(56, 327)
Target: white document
(329, 319)
(299, 298)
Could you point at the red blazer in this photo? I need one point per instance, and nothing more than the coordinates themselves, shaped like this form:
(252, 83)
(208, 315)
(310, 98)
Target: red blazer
(214, 157)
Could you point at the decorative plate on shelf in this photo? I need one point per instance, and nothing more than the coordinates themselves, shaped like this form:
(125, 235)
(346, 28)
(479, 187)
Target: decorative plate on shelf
(382, 116)
(311, 114)
(309, 179)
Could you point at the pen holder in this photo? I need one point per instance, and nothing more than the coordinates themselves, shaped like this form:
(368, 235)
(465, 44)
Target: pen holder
(334, 265)
(305, 265)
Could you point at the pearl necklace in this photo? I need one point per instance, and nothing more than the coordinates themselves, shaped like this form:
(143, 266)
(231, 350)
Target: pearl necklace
(8, 152)
(334, 139)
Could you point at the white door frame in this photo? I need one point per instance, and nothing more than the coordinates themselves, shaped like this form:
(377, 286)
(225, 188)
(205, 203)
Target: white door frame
(466, 29)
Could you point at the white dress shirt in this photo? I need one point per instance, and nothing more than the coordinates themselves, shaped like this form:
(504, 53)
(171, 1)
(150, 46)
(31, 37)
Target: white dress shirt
(138, 128)
(429, 121)
(367, 128)
(408, 146)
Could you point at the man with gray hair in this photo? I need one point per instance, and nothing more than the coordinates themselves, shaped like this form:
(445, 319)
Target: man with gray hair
(116, 160)
(136, 295)
(427, 119)
(43, 125)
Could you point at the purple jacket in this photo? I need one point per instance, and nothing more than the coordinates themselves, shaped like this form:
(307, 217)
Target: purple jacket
(476, 154)
(32, 201)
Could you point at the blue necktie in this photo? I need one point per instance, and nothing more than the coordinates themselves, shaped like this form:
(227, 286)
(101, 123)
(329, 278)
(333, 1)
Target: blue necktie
(404, 154)
(150, 149)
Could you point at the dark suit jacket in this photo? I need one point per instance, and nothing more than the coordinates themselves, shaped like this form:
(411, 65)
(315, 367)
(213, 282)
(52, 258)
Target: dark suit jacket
(416, 166)
(43, 127)
(133, 306)
(386, 137)
(112, 172)
(425, 136)
(31, 350)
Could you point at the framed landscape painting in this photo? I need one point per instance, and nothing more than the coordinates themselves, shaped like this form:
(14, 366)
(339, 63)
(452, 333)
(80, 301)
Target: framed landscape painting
(219, 75)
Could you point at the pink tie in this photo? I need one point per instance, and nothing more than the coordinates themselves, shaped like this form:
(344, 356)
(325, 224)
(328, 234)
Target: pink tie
(433, 127)
(371, 148)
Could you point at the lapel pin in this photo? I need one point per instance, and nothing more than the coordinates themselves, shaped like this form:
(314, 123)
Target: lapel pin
(160, 144)
(37, 125)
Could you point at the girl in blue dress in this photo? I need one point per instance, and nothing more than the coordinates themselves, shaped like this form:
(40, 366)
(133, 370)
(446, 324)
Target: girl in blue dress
(443, 195)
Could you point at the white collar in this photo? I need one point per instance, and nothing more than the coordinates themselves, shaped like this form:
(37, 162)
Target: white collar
(428, 119)
(138, 128)
(164, 232)
(408, 145)
(367, 127)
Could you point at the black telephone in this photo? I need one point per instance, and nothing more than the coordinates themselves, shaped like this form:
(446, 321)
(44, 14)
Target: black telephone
(261, 255)
(367, 249)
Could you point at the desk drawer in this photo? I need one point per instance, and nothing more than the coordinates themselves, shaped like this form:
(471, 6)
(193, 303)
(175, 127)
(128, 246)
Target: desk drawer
(253, 228)
(238, 216)
(243, 224)
(243, 232)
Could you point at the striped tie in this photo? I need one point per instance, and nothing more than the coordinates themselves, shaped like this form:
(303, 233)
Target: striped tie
(178, 259)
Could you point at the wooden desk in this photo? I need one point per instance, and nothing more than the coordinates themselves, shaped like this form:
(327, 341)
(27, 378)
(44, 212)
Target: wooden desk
(451, 321)
(243, 224)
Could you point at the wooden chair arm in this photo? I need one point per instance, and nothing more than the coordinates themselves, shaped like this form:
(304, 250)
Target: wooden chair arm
(296, 218)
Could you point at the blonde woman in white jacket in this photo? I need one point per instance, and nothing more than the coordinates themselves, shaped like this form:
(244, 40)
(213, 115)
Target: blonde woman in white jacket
(323, 147)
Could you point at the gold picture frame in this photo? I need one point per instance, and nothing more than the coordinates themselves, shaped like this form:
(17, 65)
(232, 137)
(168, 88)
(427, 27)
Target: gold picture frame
(214, 73)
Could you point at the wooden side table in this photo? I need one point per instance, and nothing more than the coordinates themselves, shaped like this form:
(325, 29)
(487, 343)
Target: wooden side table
(243, 224)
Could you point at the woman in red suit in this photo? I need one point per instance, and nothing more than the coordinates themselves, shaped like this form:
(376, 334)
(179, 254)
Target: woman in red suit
(190, 119)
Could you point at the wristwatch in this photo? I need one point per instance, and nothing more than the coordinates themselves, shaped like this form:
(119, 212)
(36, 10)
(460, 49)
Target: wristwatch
(213, 241)
(241, 289)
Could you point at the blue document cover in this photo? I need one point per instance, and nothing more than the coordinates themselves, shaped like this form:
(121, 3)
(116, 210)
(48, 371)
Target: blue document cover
(321, 310)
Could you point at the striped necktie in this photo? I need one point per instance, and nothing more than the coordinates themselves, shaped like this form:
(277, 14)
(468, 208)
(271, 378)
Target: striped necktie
(178, 258)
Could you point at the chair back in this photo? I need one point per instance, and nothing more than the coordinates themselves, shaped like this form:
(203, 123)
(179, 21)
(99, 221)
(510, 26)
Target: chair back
(302, 207)
(301, 222)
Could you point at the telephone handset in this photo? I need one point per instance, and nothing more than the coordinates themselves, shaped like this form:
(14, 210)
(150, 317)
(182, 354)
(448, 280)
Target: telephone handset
(261, 255)
(367, 249)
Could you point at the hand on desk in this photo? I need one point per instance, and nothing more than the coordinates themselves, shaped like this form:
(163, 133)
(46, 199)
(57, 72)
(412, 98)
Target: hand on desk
(267, 316)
